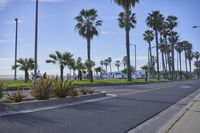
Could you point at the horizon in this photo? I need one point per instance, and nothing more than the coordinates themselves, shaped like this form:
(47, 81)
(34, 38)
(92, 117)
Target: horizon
(56, 30)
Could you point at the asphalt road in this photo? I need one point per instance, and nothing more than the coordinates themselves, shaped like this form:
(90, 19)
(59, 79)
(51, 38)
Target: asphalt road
(133, 105)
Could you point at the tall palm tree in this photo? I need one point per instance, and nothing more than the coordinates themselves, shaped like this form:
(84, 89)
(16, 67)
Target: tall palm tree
(127, 21)
(179, 49)
(165, 32)
(186, 47)
(154, 21)
(172, 23)
(162, 47)
(117, 64)
(25, 65)
(62, 59)
(110, 60)
(190, 56)
(149, 36)
(87, 24)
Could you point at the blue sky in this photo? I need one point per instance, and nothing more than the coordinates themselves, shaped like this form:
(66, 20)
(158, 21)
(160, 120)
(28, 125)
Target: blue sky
(56, 29)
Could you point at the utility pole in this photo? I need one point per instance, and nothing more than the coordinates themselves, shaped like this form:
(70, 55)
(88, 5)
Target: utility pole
(16, 36)
(36, 40)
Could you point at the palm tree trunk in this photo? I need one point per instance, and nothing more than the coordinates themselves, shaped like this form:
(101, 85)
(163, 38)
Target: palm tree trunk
(180, 65)
(118, 69)
(128, 45)
(88, 52)
(157, 55)
(173, 67)
(186, 63)
(26, 75)
(61, 72)
(110, 68)
(190, 68)
(150, 53)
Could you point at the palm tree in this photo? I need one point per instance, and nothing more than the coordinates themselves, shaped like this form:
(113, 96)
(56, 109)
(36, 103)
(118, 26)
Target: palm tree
(62, 59)
(25, 65)
(89, 65)
(102, 63)
(165, 32)
(72, 66)
(186, 46)
(149, 36)
(87, 24)
(197, 65)
(173, 39)
(162, 47)
(80, 67)
(197, 56)
(179, 49)
(154, 21)
(98, 70)
(117, 64)
(106, 63)
(124, 61)
(109, 61)
(172, 23)
(190, 56)
(127, 21)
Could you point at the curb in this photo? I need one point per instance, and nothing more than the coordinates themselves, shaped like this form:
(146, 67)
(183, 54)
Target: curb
(166, 128)
(38, 105)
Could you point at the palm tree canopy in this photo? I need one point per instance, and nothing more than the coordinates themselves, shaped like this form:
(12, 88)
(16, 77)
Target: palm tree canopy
(179, 47)
(155, 20)
(148, 36)
(87, 23)
(79, 65)
(122, 20)
(164, 31)
(189, 55)
(174, 37)
(117, 63)
(60, 58)
(25, 64)
(197, 55)
(187, 45)
(109, 60)
(126, 4)
(89, 64)
(172, 22)
(106, 62)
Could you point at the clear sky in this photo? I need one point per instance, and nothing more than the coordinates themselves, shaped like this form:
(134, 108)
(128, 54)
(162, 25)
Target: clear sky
(56, 29)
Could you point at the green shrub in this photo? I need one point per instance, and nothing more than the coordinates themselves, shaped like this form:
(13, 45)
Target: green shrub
(42, 88)
(63, 89)
(3, 87)
(16, 96)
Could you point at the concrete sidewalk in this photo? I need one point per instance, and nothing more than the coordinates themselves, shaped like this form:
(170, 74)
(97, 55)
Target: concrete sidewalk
(186, 121)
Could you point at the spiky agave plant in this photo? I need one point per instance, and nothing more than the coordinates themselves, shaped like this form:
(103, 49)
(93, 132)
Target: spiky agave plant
(42, 88)
(3, 86)
(63, 89)
(16, 96)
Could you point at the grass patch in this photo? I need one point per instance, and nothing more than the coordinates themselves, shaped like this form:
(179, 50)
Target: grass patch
(11, 84)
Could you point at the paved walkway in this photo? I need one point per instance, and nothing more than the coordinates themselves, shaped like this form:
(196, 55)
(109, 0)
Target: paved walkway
(187, 121)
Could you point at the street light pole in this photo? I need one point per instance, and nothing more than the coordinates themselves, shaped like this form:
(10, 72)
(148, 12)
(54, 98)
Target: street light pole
(36, 40)
(16, 36)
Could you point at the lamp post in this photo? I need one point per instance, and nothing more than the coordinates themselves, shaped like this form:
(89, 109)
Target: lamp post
(36, 40)
(16, 36)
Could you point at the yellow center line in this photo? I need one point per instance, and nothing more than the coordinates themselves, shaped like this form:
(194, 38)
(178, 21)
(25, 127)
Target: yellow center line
(140, 91)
